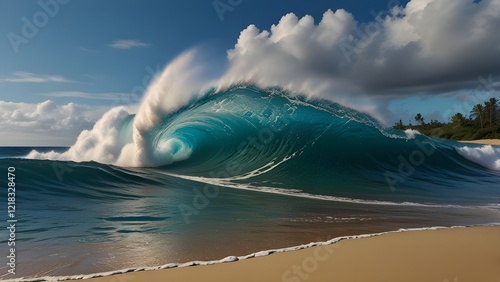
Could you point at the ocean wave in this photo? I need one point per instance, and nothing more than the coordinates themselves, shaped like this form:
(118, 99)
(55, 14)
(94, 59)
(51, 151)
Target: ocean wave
(252, 137)
(269, 137)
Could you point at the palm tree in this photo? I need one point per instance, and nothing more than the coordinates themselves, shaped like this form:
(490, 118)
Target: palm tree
(493, 109)
(399, 125)
(419, 118)
(487, 111)
(458, 119)
(478, 112)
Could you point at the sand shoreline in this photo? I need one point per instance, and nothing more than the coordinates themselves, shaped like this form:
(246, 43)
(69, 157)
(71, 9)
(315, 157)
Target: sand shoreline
(468, 253)
(495, 142)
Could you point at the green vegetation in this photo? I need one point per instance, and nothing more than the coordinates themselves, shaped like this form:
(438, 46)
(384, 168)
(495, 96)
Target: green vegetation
(483, 123)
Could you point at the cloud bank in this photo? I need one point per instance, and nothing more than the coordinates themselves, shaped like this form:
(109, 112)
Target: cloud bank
(427, 47)
(44, 123)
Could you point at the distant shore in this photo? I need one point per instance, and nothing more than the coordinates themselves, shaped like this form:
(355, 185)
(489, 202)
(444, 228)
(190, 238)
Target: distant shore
(453, 254)
(484, 141)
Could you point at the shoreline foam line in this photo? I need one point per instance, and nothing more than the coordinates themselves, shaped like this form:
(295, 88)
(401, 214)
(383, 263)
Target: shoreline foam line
(236, 258)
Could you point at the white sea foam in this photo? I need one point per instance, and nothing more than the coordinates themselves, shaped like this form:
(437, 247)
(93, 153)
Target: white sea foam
(101, 143)
(175, 87)
(486, 156)
(411, 133)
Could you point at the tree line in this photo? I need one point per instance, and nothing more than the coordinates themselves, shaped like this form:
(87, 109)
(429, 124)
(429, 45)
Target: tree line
(483, 122)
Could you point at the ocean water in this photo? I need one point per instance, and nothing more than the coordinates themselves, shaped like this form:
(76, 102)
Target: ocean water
(235, 172)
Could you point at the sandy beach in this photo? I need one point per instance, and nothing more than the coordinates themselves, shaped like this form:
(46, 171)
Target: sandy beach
(443, 255)
(484, 141)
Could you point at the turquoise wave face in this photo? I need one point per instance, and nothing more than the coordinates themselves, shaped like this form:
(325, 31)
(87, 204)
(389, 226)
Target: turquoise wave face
(244, 129)
(263, 139)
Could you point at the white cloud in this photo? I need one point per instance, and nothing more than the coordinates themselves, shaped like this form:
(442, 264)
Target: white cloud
(87, 95)
(46, 123)
(22, 76)
(127, 44)
(427, 47)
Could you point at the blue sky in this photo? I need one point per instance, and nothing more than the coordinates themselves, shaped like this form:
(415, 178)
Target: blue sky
(90, 52)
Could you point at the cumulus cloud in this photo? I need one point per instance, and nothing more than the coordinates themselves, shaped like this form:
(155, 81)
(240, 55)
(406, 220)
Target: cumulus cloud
(22, 76)
(127, 44)
(37, 124)
(426, 47)
(421, 48)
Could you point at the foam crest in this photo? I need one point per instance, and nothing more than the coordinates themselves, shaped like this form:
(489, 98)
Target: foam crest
(102, 143)
(486, 156)
(174, 88)
(411, 133)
